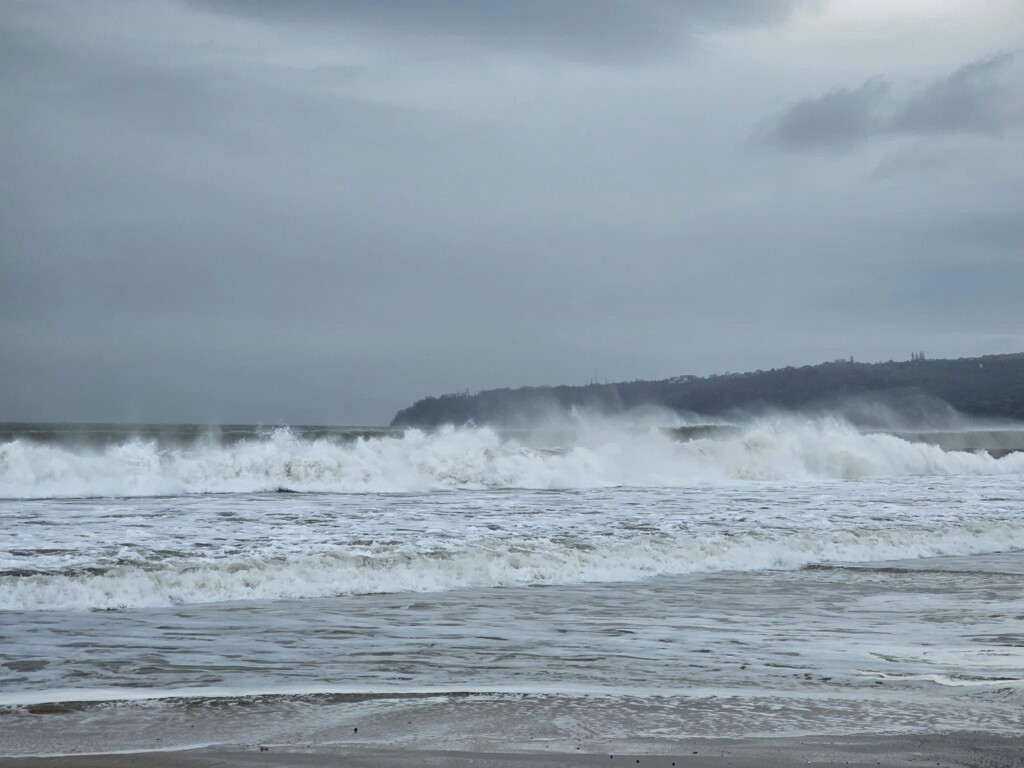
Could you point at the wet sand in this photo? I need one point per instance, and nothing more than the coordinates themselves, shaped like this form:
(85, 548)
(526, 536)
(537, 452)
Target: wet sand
(951, 750)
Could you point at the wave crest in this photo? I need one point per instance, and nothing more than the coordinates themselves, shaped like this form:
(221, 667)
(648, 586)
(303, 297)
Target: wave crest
(595, 455)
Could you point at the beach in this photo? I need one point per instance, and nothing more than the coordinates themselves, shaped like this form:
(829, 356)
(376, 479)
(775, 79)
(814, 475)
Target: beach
(951, 750)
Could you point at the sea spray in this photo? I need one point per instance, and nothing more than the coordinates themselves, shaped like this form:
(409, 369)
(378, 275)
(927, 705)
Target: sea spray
(593, 454)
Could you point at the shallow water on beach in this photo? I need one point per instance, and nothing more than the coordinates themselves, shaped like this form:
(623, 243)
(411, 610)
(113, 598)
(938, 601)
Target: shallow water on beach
(826, 598)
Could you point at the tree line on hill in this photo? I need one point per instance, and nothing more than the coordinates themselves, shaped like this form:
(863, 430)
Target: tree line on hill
(991, 386)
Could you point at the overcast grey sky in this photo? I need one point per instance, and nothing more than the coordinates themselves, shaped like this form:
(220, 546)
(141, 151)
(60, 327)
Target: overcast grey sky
(318, 211)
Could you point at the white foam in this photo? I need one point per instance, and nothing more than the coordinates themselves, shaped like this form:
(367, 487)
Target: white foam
(598, 455)
(949, 680)
(498, 563)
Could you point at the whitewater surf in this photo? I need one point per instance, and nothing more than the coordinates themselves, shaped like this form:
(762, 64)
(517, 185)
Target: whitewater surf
(768, 576)
(594, 454)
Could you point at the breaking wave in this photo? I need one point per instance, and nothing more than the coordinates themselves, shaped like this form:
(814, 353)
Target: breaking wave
(596, 455)
(391, 569)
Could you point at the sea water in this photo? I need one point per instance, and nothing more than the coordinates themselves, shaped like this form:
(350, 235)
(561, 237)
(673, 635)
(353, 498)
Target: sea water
(605, 580)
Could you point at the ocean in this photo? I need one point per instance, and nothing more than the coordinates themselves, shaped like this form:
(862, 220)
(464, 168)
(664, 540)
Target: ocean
(589, 583)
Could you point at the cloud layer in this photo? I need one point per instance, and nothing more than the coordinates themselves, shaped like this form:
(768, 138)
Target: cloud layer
(592, 30)
(322, 211)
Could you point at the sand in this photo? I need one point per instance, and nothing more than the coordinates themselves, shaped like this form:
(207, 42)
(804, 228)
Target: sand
(979, 750)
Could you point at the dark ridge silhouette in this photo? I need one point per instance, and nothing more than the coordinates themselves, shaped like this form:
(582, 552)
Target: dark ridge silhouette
(991, 386)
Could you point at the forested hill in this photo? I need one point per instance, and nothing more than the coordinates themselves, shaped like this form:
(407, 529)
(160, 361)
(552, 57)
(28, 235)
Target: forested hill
(990, 386)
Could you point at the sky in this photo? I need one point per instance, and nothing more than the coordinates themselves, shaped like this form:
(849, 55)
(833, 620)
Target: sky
(319, 211)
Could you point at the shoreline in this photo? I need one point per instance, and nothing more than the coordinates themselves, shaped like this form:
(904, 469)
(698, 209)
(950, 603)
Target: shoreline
(969, 748)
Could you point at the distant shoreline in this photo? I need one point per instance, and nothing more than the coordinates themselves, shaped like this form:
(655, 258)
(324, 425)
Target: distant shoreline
(915, 391)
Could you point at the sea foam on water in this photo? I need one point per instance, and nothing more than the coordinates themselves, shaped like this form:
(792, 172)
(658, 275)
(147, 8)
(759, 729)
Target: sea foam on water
(590, 558)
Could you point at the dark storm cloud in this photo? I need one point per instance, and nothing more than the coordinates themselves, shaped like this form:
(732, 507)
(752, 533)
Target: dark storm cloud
(975, 99)
(592, 30)
(839, 118)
